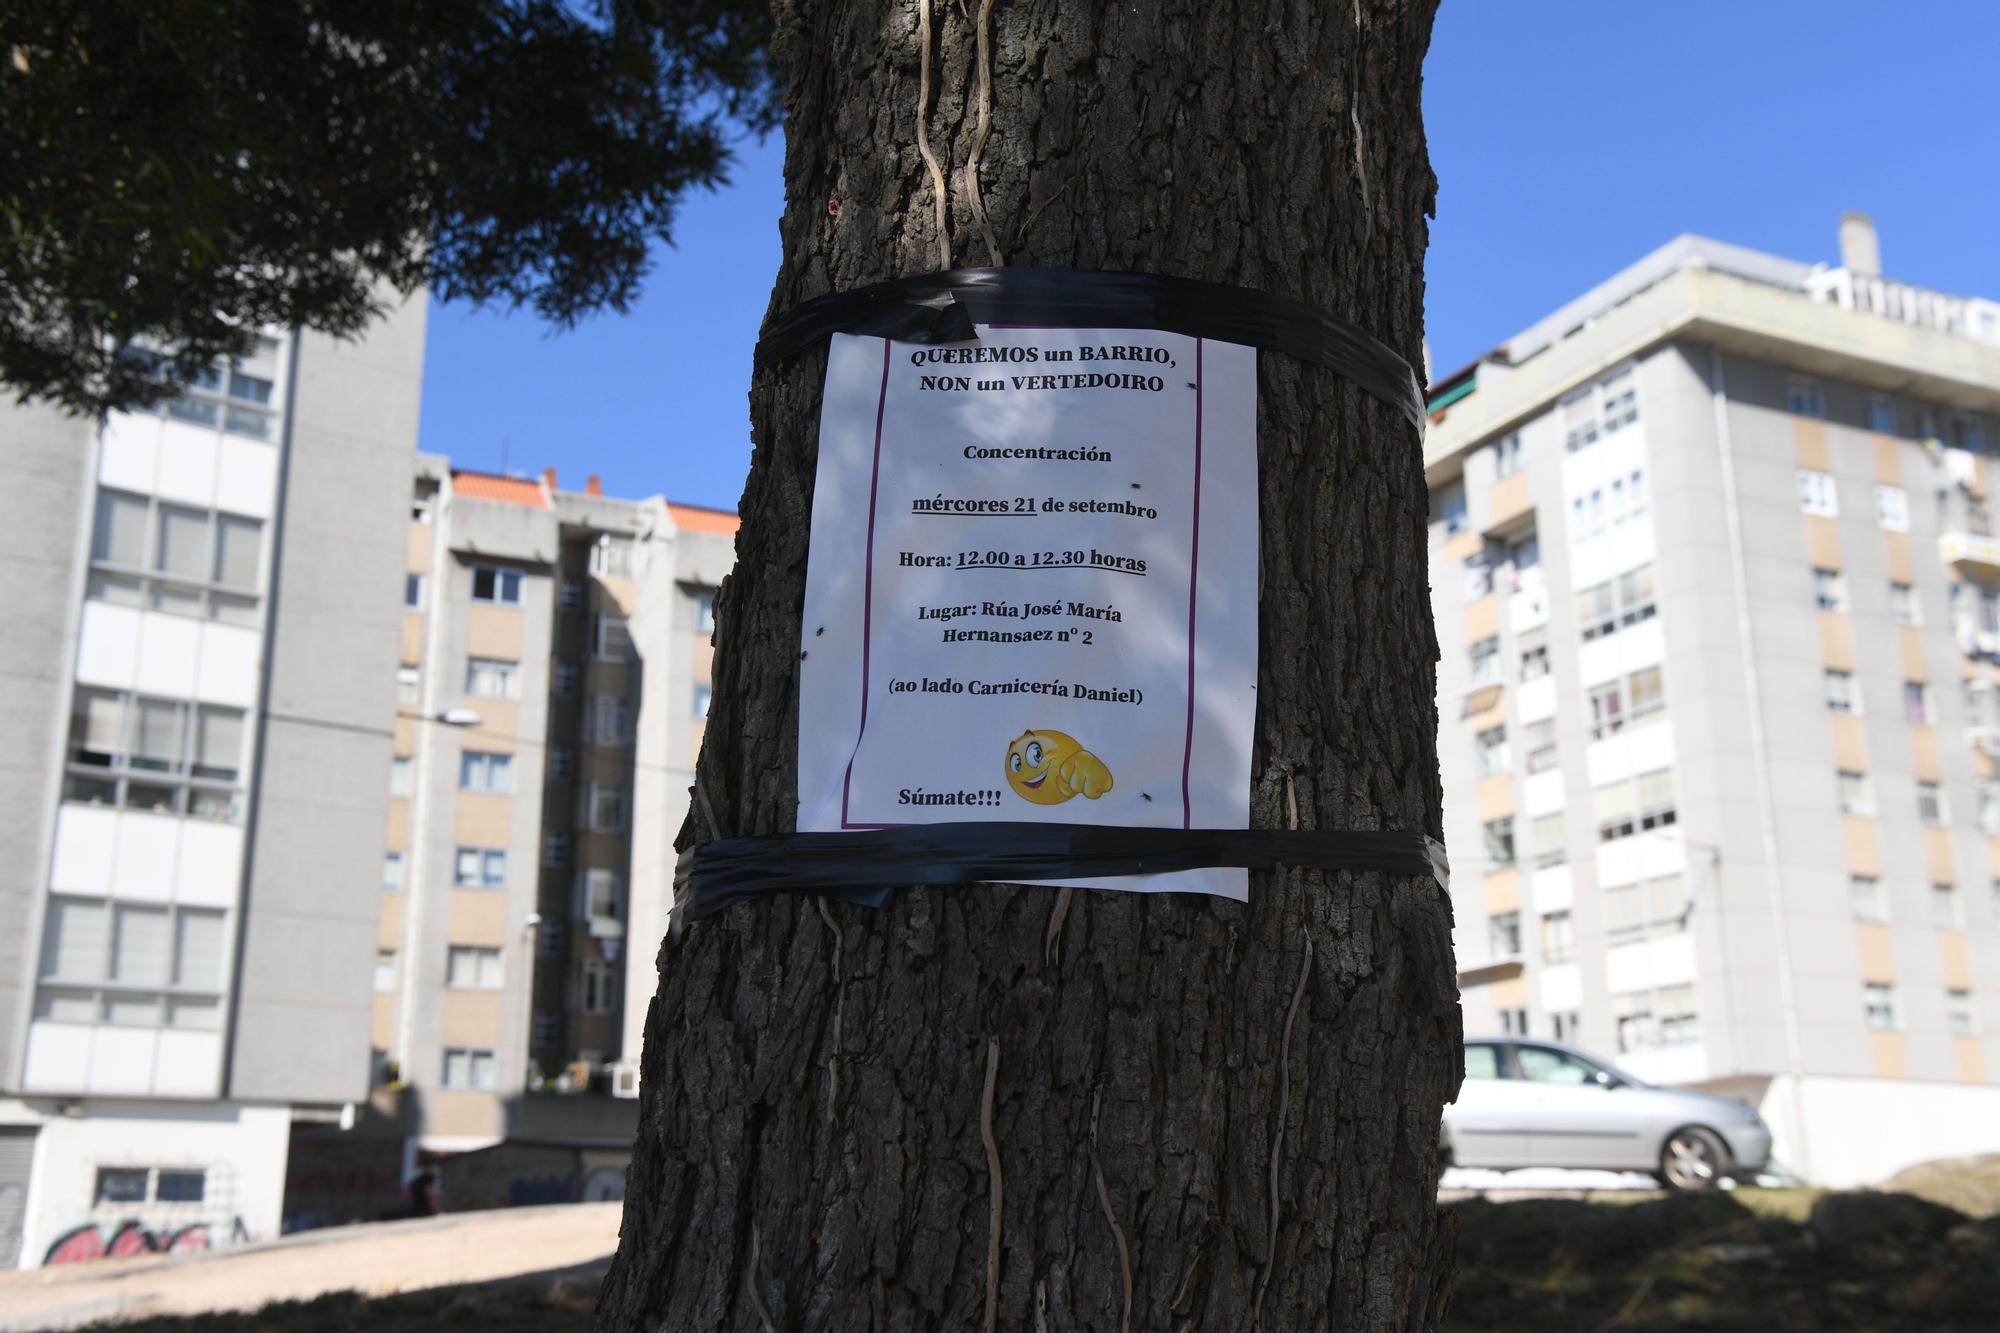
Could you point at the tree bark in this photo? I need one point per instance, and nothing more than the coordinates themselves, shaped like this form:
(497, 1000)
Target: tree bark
(1207, 1115)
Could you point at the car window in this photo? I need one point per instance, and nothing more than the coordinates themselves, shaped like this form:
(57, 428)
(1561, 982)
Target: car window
(1482, 1062)
(1539, 1064)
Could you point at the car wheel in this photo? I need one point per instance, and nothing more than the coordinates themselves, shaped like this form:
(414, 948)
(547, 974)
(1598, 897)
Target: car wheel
(1693, 1159)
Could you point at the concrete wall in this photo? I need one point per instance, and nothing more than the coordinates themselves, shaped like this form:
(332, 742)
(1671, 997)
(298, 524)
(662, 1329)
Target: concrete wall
(45, 467)
(304, 1002)
(241, 1150)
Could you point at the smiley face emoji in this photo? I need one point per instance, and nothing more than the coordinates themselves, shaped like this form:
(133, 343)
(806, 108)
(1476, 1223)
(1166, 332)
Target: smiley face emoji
(1048, 767)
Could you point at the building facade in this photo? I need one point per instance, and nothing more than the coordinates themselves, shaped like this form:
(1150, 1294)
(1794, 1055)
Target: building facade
(553, 683)
(1718, 608)
(192, 688)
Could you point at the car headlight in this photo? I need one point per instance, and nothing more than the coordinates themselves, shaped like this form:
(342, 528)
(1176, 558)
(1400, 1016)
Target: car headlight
(1750, 1114)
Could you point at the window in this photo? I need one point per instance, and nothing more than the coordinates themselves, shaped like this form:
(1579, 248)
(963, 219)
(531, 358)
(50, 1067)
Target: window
(385, 971)
(1482, 1060)
(1881, 414)
(1565, 1025)
(1945, 913)
(1804, 396)
(413, 592)
(1478, 578)
(121, 1185)
(1645, 909)
(480, 771)
(565, 678)
(1830, 590)
(555, 849)
(1507, 455)
(1541, 740)
(1539, 1064)
(1547, 834)
(1524, 557)
(491, 678)
(702, 694)
(1484, 655)
(1903, 606)
(599, 996)
(611, 640)
(1499, 836)
(1841, 696)
(468, 968)
(550, 940)
(1986, 793)
(180, 1186)
(1892, 508)
(1959, 1016)
(501, 587)
(111, 963)
(172, 558)
(1595, 410)
(1931, 808)
(1817, 495)
(569, 594)
(158, 755)
(548, 1030)
(1503, 935)
(392, 872)
(409, 686)
(1650, 1019)
(1867, 897)
(1605, 607)
(604, 808)
(1514, 1022)
(1878, 1005)
(1558, 937)
(606, 720)
(1917, 703)
(612, 555)
(1967, 433)
(601, 892)
(704, 601)
(468, 1070)
(1857, 796)
(562, 763)
(399, 775)
(479, 868)
(1451, 508)
(1491, 746)
(1636, 805)
(423, 500)
(1618, 704)
(1534, 644)
(236, 398)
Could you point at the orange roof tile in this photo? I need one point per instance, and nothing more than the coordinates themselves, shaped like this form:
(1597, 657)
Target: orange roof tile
(695, 518)
(507, 490)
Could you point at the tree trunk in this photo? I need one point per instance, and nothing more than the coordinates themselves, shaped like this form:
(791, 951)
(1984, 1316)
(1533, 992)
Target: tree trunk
(1208, 1115)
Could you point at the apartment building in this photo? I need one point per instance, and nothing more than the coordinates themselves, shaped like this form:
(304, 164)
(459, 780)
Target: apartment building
(1718, 603)
(191, 745)
(553, 684)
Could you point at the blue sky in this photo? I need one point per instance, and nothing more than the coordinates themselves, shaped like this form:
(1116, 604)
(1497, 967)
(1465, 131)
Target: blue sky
(1569, 138)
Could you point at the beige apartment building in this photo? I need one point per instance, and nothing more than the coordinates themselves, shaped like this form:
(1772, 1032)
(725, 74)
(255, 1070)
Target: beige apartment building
(553, 683)
(1718, 603)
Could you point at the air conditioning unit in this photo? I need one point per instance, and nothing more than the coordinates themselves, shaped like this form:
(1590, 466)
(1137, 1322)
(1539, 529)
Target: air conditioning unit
(625, 1079)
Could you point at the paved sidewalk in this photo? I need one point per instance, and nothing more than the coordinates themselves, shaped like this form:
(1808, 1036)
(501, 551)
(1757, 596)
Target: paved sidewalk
(376, 1259)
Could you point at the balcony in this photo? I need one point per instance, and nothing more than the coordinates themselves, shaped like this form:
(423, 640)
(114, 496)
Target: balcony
(1973, 555)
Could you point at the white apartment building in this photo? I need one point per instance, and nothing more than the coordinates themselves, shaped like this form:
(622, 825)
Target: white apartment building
(202, 606)
(1718, 603)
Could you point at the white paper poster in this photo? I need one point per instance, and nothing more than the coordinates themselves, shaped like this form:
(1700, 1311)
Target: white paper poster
(1032, 587)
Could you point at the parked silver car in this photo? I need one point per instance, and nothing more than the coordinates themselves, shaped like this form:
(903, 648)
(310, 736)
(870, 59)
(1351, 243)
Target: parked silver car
(1540, 1103)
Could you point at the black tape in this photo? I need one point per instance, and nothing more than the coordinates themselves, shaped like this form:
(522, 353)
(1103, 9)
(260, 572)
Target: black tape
(943, 307)
(863, 866)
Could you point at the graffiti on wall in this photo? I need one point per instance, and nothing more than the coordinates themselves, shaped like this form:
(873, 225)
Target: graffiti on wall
(91, 1240)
